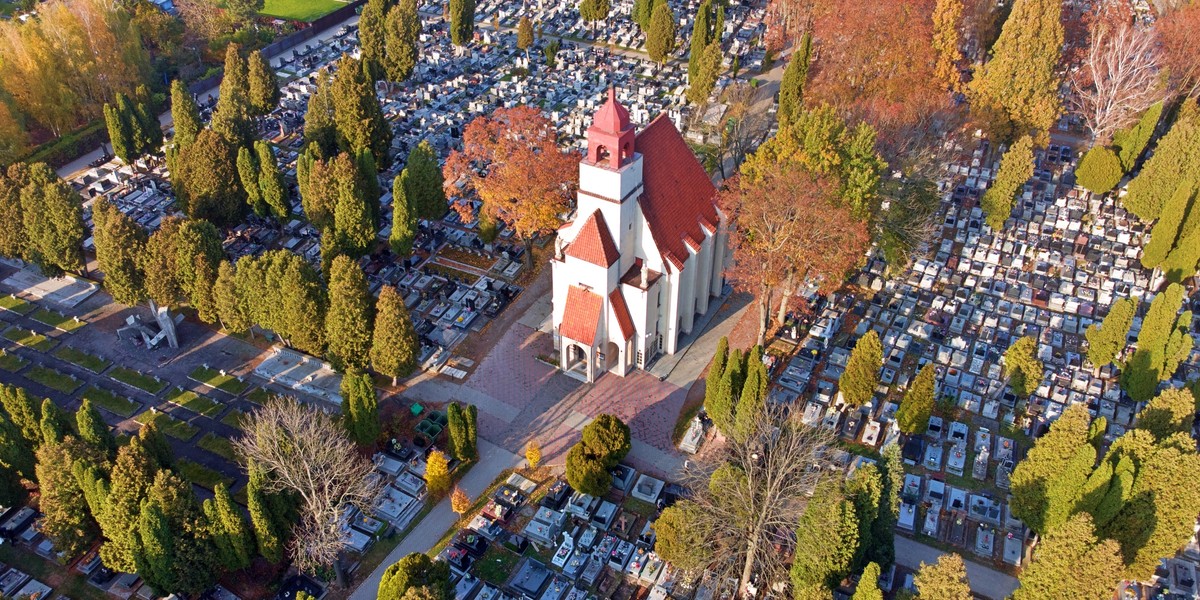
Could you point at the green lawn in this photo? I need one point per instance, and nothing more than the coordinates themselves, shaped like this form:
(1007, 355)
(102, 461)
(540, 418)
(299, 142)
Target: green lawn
(117, 405)
(67, 583)
(218, 445)
(11, 362)
(234, 418)
(169, 425)
(496, 564)
(299, 10)
(15, 304)
(57, 320)
(53, 379)
(194, 402)
(94, 364)
(200, 474)
(259, 396)
(30, 339)
(137, 380)
(214, 379)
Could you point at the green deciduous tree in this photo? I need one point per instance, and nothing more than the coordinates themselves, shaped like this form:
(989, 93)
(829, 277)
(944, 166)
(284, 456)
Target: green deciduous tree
(795, 76)
(861, 377)
(394, 348)
(1176, 158)
(1099, 170)
(415, 570)
(119, 242)
(1017, 91)
(1021, 365)
(349, 319)
(52, 212)
(945, 580)
(437, 473)
(660, 40)
(1016, 167)
(1071, 563)
(917, 407)
(1107, 339)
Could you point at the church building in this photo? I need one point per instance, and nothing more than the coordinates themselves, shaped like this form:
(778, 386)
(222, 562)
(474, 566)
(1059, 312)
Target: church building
(645, 253)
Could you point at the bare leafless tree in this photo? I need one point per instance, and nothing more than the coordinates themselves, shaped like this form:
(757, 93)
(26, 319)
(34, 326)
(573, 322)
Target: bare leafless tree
(1119, 78)
(750, 496)
(306, 452)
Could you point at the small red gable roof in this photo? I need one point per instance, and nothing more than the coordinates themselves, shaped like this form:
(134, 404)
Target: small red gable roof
(593, 243)
(581, 315)
(617, 301)
(678, 195)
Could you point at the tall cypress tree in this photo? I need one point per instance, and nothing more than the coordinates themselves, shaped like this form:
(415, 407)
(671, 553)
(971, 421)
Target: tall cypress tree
(25, 412)
(263, 92)
(861, 376)
(66, 519)
(716, 370)
(394, 347)
(425, 181)
(226, 300)
(1016, 167)
(156, 445)
(1176, 159)
(752, 402)
(231, 117)
(456, 427)
(15, 452)
(132, 475)
(1107, 339)
(1016, 92)
(700, 38)
(54, 423)
(471, 416)
(660, 41)
(361, 412)
(185, 116)
(371, 32)
(320, 131)
(120, 133)
(917, 407)
(248, 172)
(272, 190)
(348, 323)
(357, 114)
(267, 524)
(829, 530)
(119, 242)
(462, 21)
(52, 215)
(404, 221)
(226, 519)
(795, 76)
(400, 40)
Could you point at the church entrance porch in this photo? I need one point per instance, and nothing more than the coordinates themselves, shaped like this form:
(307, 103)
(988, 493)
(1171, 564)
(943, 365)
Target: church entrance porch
(576, 364)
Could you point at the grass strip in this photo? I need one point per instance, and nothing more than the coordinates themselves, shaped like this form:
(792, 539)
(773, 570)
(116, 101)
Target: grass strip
(140, 381)
(82, 359)
(194, 402)
(57, 320)
(11, 362)
(17, 305)
(218, 445)
(200, 474)
(29, 339)
(53, 379)
(169, 425)
(214, 379)
(111, 402)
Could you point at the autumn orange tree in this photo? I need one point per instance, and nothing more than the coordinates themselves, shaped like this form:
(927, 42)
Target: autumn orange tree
(513, 162)
(876, 61)
(786, 223)
(1181, 47)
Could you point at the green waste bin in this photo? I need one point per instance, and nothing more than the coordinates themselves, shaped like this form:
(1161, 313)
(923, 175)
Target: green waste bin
(416, 409)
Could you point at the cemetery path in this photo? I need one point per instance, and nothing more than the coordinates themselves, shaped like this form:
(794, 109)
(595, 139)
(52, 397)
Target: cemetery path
(493, 460)
(985, 581)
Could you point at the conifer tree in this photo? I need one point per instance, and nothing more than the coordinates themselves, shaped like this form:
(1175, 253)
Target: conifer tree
(268, 529)
(52, 215)
(861, 376)
(401, 40)
(828, 531)
(471, 414)
(263, 93)
(723, 406)
(185, 116)
(394, 347)
(248, 172)
(362, 408)
(1168, 229)
(320, 131)
(946, 579)
(197, 243)
(462, 21)
(93, 430)
(156, 445)
(132, 475)
(708, 69)
(700, 38)
(348, 323)
(225, 299)
(1048, 462)
(25, 412)
(149, 131)
(231, 117)
(65, 516)
(864, 489)
(947, 15)
(1176, 158)
(868, 584)
(157, 264)
(1021, 364)
(1172, 411)
(791, 87)
(1016, 92)
(1108, 339)
(175, 554)
(120, 133)
(524, 34)
(456, 429)
(881, 548)
(119, 242)
(660, 41)
(371, 28)
(273, 192)
(227, 522)
(206, 180)
(404, 222)
(425, 190)
(54, 424)
(752, 401)
(917, 407)
(1016, 167)
(1163, 342)
(357, 114)
(302, 304)
(15, 453)
(1071, 563)
(1130, 143)
(1099, 170)
(716, 370)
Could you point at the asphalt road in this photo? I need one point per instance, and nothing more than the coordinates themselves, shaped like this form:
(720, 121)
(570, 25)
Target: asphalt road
(985, 581)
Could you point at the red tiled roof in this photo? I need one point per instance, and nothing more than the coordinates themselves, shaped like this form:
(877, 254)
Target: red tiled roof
(612, 117)
(617, 300)
(678, 195)
(594, 242)
(581, 315)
